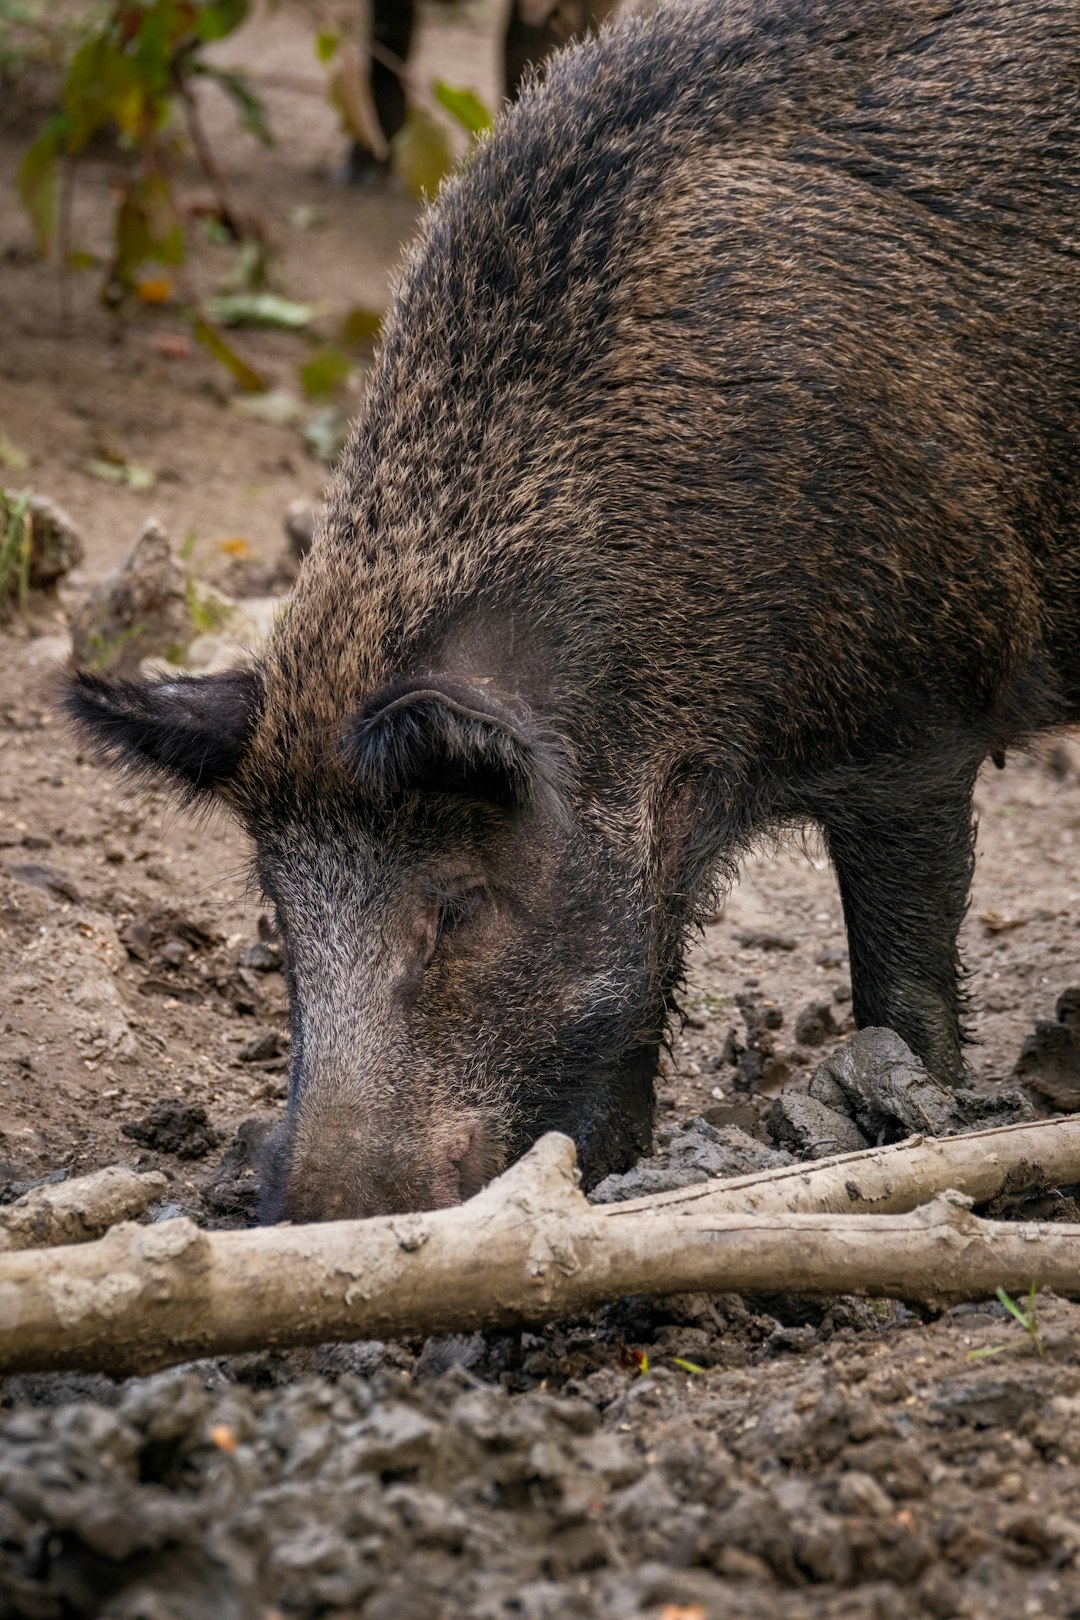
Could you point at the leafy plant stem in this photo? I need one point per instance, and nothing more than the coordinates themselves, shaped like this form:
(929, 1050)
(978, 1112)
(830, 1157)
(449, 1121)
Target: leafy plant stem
(232, 221)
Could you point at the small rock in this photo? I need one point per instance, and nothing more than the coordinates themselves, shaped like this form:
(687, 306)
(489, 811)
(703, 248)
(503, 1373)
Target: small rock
(859, 1492)
(56, 546)
(174, 1126)
(1049, 1061)
(987, 1403)
(261, 1049)
(140, 609)
(815, 1024)
(47, 878)
(55, 543)
(761, 940)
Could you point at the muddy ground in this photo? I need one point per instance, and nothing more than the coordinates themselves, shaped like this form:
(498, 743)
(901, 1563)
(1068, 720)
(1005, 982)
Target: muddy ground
(836, 1460)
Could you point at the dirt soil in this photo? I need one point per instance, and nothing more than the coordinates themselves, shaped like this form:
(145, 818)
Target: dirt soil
(826, 1460)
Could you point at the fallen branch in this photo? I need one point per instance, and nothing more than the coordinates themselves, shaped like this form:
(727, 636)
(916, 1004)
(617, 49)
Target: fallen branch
(526, 1249)
(79, 1210)
(886, 1181)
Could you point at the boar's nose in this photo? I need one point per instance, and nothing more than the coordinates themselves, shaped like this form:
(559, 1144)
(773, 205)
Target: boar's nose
(336, 1170)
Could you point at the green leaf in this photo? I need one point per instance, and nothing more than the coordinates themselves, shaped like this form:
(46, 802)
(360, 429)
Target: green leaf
(127, 473)
(37, 182)
(464, 106)
(236, 87)
(279, 406)
(360, 327)
(162, 220)
(260, 309)
(133, 242)
(221, 17)
(326, 43)
(1012, 1307)
(421, 155)
(324, 371)
(154, 51)
(687, 1366)
(146, 227)
(103, 86)
(82, 259)
(222, 351)
(251, 268)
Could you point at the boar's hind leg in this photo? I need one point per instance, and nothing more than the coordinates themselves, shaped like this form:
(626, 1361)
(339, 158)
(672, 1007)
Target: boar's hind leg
(904, 853)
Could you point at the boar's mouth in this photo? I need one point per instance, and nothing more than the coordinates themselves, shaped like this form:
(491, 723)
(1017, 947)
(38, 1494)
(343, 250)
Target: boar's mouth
(324, 1166)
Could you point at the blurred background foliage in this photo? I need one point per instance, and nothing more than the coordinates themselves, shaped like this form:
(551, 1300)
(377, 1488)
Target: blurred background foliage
(128, 75)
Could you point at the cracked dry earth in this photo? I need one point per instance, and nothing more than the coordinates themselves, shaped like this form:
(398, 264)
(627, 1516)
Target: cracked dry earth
(825, 1460)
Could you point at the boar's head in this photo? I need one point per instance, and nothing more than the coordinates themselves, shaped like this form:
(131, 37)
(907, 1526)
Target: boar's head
(469, 961)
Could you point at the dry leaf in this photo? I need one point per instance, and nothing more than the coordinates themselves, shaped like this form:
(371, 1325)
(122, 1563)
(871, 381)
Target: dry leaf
(154, 290)
(235, 546)
(995, 924)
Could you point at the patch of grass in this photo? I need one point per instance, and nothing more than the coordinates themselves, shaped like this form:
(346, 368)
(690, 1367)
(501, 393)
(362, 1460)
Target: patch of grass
(16, 536)
(208, 615)
(103, 649)
(710, 1001)
(1027, 1320)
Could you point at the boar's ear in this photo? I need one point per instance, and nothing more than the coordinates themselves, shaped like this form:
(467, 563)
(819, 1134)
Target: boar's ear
(193, 729)
(449, 739)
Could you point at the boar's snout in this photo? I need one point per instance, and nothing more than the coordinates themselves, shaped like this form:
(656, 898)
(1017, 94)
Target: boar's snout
(332, 1169)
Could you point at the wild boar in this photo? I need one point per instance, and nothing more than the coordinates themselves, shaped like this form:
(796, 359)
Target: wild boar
(718, 473)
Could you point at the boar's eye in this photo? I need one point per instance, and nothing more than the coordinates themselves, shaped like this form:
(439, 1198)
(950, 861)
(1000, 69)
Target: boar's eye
(456, 910)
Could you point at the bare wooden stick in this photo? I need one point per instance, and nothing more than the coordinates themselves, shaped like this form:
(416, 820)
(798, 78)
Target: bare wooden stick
(526, 1249)
(888, 1180)
(78, 1210)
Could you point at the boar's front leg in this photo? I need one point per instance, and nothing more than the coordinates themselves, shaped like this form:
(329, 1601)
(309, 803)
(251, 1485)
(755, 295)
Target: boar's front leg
(904, 850)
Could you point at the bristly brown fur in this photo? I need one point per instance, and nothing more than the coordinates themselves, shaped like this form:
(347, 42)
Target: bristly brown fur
(723, 434)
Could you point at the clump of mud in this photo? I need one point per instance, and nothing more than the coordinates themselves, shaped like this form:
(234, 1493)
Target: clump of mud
(874, 1090)
(888, 1475)
(700, 1457)
(1049, 1061)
